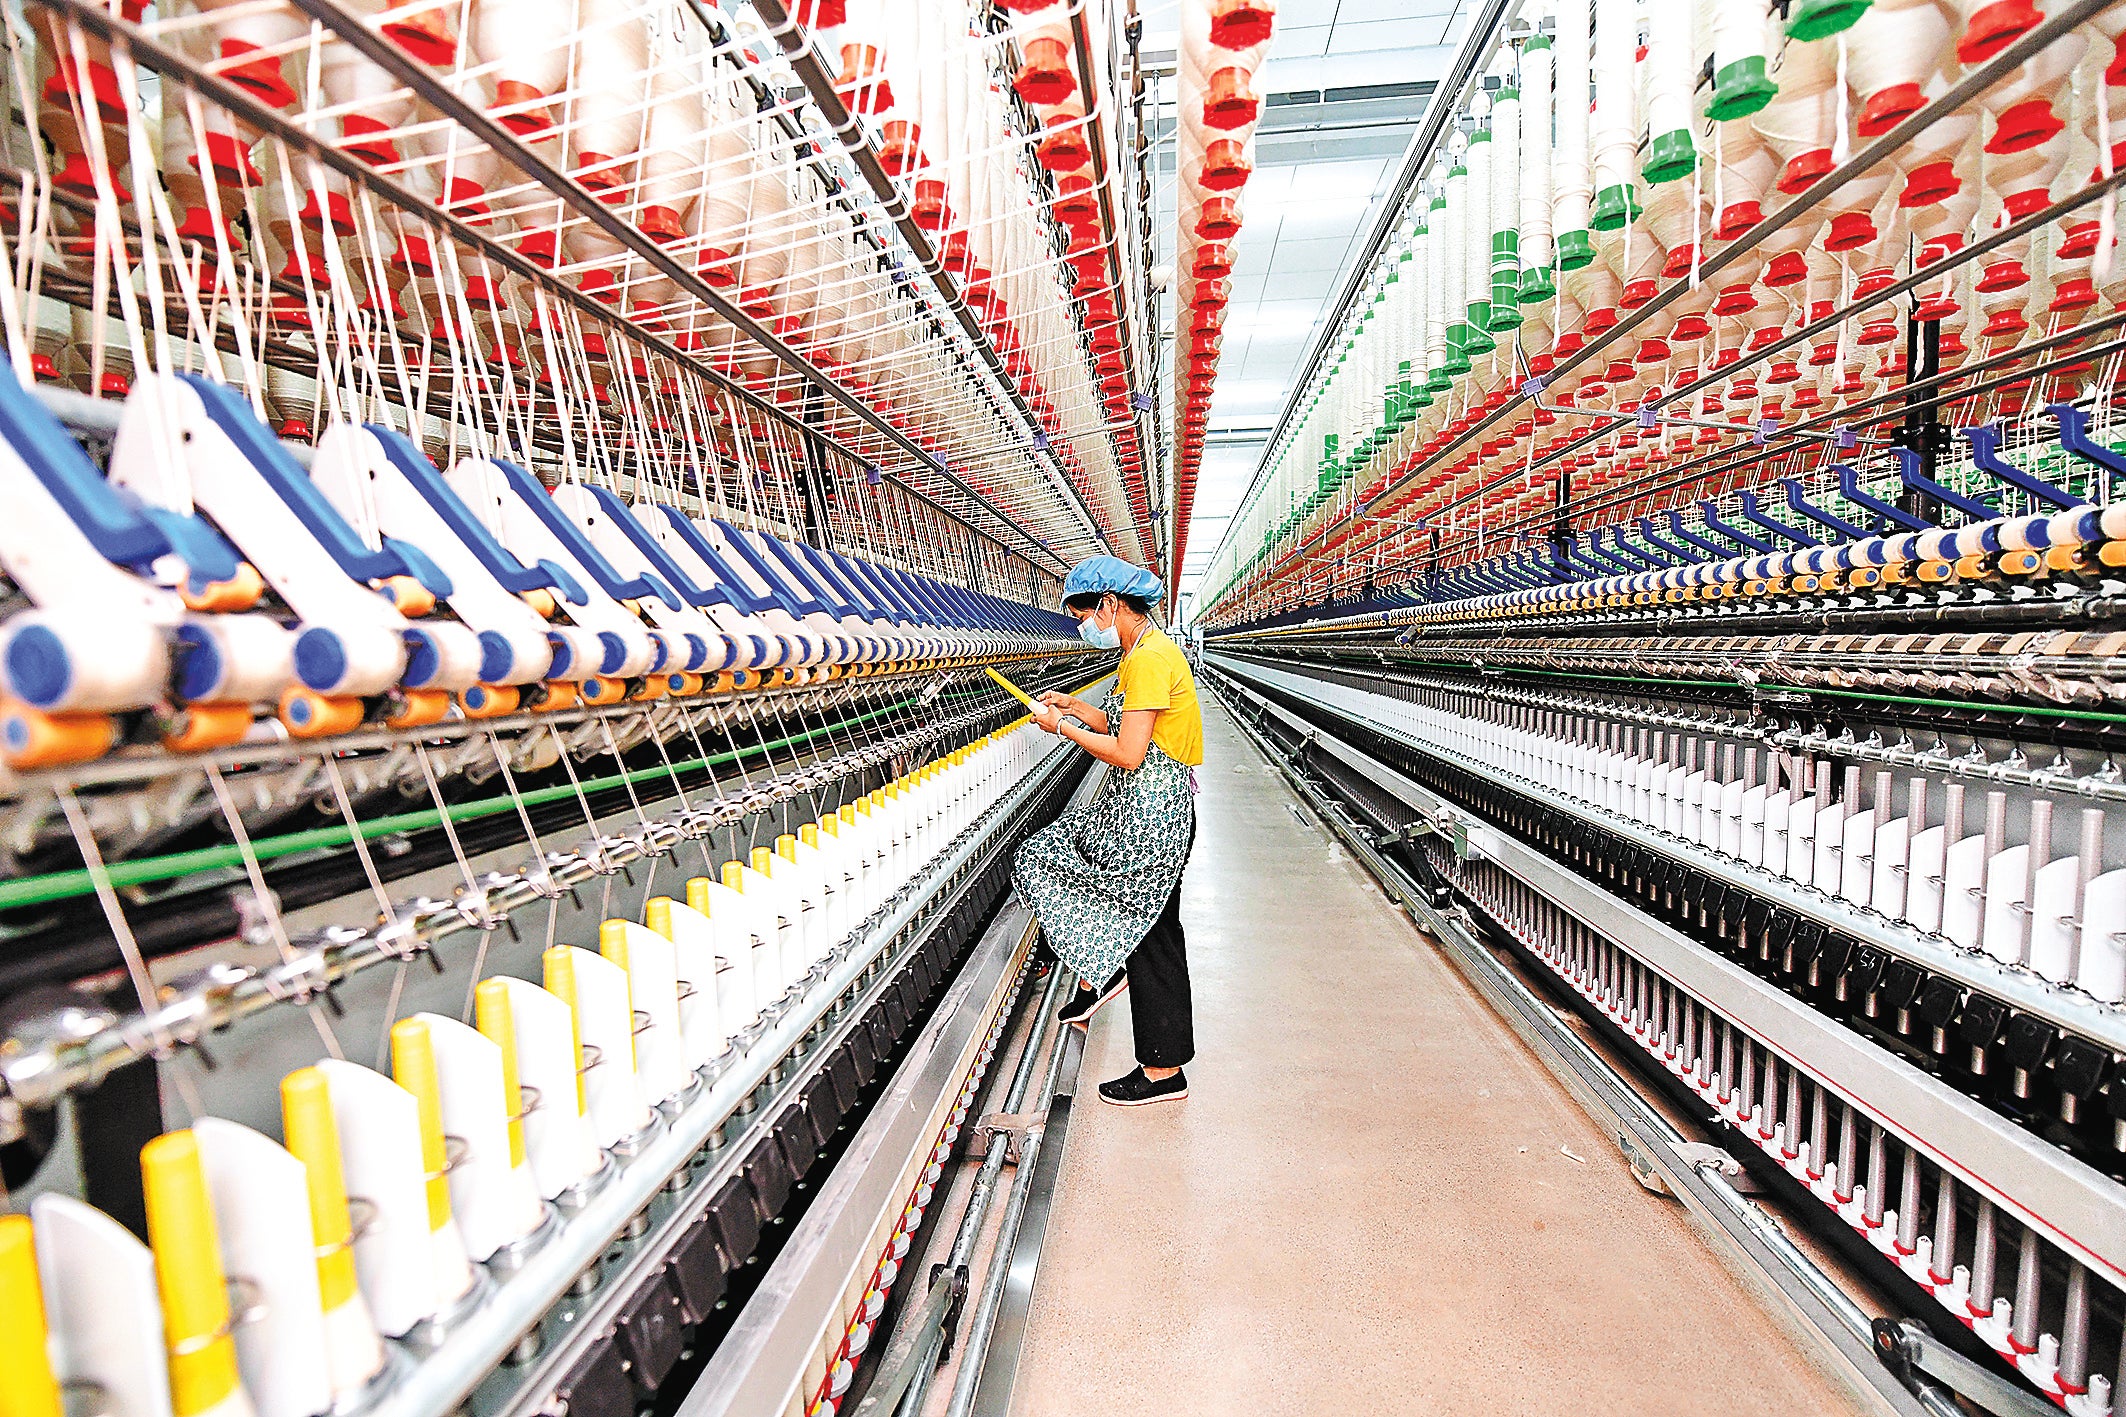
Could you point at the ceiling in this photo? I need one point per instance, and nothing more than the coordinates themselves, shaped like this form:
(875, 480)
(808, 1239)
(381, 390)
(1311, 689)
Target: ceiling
(1345, 85)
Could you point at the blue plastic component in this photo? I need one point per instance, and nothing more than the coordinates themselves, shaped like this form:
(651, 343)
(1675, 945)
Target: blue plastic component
(2074, 437)
(1741, 538)
(1620, 548)
(39, 670)
(778, 590)
(289, 483)
(496, 656)
(564, 657)
(320, 659)
(795, 569)
(512, 574)
(423, 659)
(119, 532)
(1985, 440)
(857, 600)
(1755, 517)
(1691, 538)
(865, 575)
(1653, 538)
(571, 537)
(1916, 481)
(427, 572)
(1849, 487)
(199, 664)
(208, 556)
(660, 559)
(1836, 525)
(615, 652)
(729, 581)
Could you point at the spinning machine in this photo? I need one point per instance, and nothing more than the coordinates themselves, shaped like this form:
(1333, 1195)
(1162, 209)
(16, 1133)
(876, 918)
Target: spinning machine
(505, 509)
(1689, 573)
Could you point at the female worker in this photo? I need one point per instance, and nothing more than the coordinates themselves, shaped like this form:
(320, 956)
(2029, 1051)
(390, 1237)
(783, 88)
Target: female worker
(1105, 878)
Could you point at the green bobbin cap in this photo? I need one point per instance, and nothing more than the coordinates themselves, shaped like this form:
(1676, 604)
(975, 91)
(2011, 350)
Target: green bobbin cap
(1479, 314)
(1741, 89)
(1820, 19)
(1614, 206)
(1479, 340)
(1420, 398)
(1505, 92)
(1536, 41)
(1440, 380)
(1575, 249)
(1537, 286)
(1504, 317)
(1669, 157)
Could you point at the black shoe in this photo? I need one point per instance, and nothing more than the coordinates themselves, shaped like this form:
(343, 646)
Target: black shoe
(1134, 1089)
(1087, 1002)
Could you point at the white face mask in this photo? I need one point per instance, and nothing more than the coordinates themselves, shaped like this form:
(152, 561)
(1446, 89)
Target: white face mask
(1099, 636)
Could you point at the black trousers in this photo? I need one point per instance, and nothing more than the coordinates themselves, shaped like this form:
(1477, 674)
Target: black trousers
(1161, 1011)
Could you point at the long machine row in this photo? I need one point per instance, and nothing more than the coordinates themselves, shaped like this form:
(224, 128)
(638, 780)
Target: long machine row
(1899, 982)
(396, 1207)
(207, 575)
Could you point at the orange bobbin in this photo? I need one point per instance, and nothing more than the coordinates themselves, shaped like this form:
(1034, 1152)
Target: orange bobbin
(197, 727)
(309, 714)
(412, 599)
(682, 685)
(559, 694)
(600, 690)
(654, 686)
(31, 738)
(240, 592)
(411, 708)
(490, 700)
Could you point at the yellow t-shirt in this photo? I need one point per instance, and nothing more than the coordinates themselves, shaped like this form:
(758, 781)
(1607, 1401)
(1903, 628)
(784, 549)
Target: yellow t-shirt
(1155, 675)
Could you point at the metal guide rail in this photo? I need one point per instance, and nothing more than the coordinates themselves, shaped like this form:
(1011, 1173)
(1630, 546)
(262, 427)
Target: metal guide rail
(1839, 1079)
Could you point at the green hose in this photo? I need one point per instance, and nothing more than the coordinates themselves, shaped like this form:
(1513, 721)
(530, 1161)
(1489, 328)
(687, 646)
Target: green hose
(63, 885)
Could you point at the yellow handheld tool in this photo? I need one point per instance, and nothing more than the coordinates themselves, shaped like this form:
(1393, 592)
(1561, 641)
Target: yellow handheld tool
(1012, 689)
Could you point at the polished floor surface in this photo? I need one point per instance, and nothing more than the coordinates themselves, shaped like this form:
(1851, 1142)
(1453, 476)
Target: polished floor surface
(1374, 1199)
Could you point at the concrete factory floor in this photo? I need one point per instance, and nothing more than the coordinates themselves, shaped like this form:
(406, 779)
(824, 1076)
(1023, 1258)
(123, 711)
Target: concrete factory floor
(1374, 1198)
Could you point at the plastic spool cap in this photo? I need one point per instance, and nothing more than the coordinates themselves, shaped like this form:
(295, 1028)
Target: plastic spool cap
(1740, 89)
(1536, 286)
(1670, 157)
(39, 671)
(1575, 249)
(320, 659)
(424, 659)
(1820, 19)
(1994, 27)
(615, 652)
(199, 660)
(1614, 206)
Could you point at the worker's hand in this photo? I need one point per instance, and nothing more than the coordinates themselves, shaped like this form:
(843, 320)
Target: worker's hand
(1062, 702)
(1048, 718)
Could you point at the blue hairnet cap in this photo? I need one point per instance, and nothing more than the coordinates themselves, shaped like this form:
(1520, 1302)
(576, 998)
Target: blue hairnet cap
(1100, 575)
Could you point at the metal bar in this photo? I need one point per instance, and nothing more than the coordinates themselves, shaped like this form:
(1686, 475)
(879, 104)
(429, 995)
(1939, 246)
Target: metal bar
(1000, 1366)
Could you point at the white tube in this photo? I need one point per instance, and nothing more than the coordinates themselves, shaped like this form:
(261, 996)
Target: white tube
(1571, 190)
(1506, 128)
(1614, 134)
(1536, 249)
(1671, 71)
